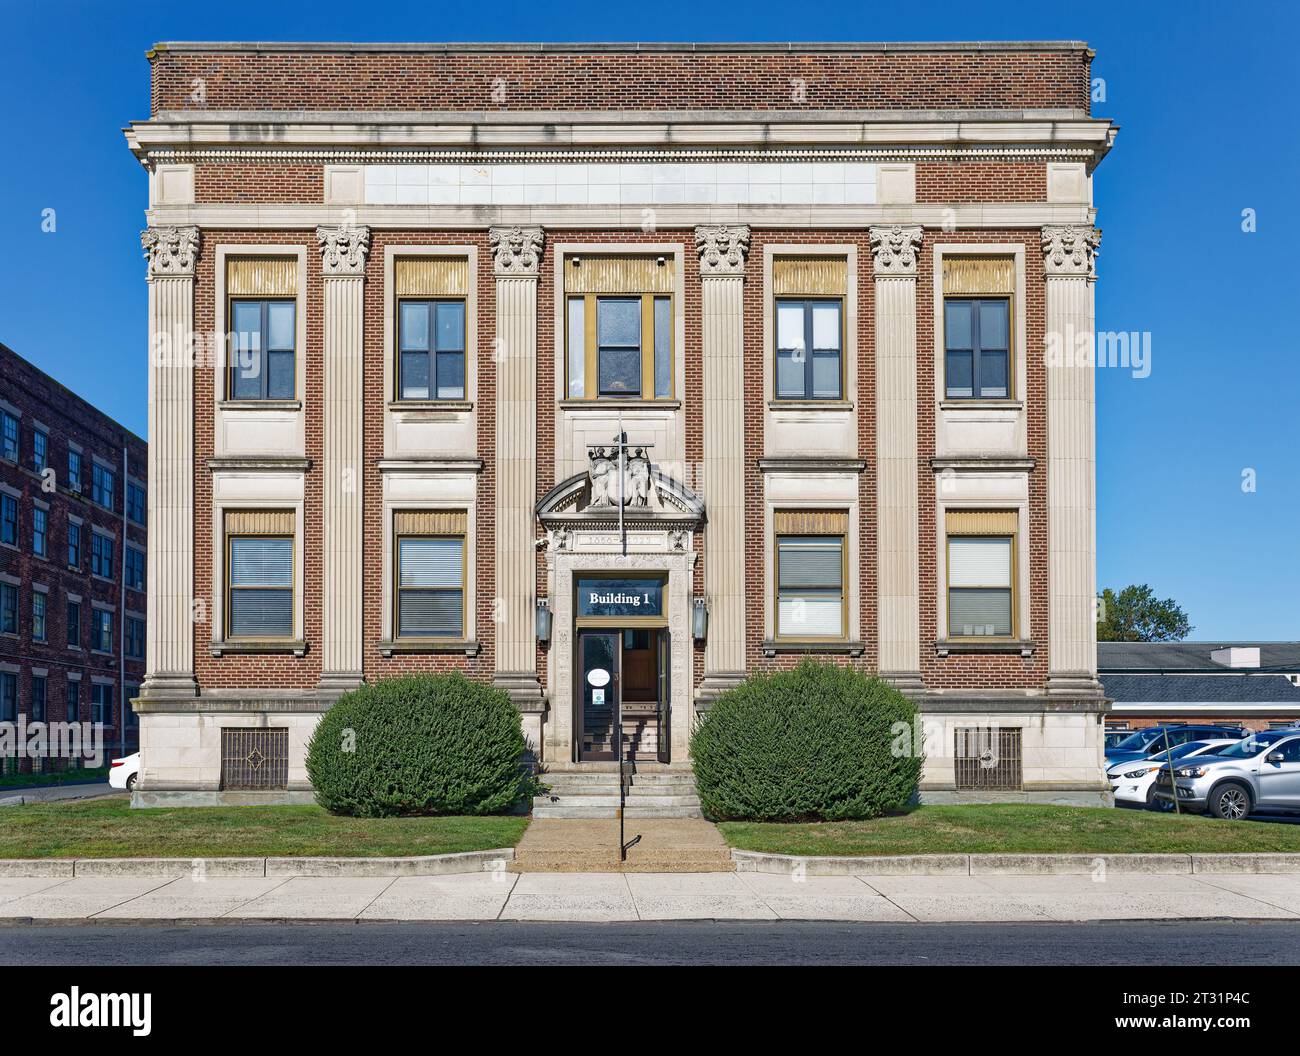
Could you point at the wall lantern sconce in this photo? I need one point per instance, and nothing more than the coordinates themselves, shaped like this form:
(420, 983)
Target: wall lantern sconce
(700, 619)
(542, 620)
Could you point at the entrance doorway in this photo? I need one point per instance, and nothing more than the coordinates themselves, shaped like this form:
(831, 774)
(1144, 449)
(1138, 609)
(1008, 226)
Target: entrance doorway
(622, 689)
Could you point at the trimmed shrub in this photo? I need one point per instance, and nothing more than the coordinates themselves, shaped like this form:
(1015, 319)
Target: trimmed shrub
(425, 744)
(816, 743)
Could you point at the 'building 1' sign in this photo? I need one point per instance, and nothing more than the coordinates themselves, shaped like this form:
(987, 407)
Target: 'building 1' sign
(620, 597)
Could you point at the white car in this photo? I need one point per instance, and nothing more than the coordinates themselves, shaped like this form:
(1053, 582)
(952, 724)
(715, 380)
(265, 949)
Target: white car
(122, 772)
(1134, 781)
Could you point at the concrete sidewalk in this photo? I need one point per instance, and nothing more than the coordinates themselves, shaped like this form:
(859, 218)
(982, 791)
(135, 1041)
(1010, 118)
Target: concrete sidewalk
(502, 895)
(18, 795)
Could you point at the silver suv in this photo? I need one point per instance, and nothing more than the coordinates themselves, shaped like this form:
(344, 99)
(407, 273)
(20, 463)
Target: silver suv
(1261, 772)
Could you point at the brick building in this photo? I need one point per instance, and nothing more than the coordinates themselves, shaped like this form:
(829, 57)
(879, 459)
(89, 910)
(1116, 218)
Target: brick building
(611, 374)
(72, 559)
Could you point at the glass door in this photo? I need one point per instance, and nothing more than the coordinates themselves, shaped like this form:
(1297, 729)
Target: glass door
(597, 693)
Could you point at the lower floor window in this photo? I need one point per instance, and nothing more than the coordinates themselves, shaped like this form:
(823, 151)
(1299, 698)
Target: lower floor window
(810, 596)
(38, 698)
(101, 704)
(981, 563)
(430, 575)
(8, 697)
(73, 699)
(260, 574)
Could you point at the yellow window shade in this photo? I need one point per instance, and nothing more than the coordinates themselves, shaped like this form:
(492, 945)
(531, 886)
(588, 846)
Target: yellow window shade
(431, 276)
(977, 275)
(982, 522)
(259, 522)
(812, 522)
(810, 276)
(429, 522)
(262, 276)
(612, 274)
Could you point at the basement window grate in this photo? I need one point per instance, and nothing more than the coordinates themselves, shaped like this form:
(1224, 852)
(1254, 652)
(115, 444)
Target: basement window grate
(255, 758)
(988, 759)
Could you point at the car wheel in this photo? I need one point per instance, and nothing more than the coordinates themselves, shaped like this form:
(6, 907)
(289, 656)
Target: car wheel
(130, 783)
(1162, 805)
(1230, 802)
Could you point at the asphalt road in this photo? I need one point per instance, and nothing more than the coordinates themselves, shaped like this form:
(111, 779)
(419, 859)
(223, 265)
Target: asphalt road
(1118, 943)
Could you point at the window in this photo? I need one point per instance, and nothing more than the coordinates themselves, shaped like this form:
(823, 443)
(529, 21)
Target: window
(430, 586)
(977, 336)
(431, 341)
(101, 704)
(40, 450)
(102, 484)
(132, 719)
(808, 350)
(40, 534)
(134, 638)
(74, 544)
(135, 502)
(259, 563)
(620, 347)
(74, 624)
(101, 630)
(72, 699)
(810, 598)
(981, 557)
(134, 565)
(101, 555)
(74, 471)
(8, 608)
(8, 696)
(38, 698)
(38, 616)
(8, 519)
(263, 339)
(9, 435)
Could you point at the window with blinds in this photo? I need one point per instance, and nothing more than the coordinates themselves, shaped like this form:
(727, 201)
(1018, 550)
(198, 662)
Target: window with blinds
(262, 327)
(259, 563)
(430, 574)
(977, 326)
(981, 551)
(810, 575)
(809, 295)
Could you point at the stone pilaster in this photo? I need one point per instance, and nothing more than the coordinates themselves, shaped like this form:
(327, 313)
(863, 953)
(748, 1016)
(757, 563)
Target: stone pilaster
(723, 249)
(516, 257)
(171, 253)
(895, 251)
(343, 270)
(1068, 253)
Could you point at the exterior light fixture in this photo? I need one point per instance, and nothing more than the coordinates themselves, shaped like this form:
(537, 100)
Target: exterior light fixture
(700, 619)
(542, 620)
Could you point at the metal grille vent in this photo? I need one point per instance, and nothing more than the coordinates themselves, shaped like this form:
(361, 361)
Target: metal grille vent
(255, 758)
(988, 759)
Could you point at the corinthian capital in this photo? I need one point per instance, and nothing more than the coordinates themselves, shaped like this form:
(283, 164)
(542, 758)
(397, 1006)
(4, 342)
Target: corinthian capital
(343, 249)
(1069, 250)
(516, 250)
(895, 249)
(722, 248)
(170, 250)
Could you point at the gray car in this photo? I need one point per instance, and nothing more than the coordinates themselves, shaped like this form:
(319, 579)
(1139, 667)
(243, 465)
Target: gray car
(1259, 773)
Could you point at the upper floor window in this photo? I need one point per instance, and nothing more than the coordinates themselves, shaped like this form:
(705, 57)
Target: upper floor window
(134, 633)
(40, 532)
(134, 568)
(101, 555)
(8, 608)
(809, 349)
(74, 471)
(9, 436)
(135, 502)
(430, 576)
(101, 631)
(73, 624)
(981, 574)
(431, 340)
(8, 519)
(38, 616)
(74, 544)
(259, 575)
(103, 482)
(810, 574)
(40, 451)
(977, 347)
(263, 340)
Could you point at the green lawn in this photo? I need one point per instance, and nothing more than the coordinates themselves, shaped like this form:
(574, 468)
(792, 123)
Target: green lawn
(109, 828)
(54, 777)
(1015, 828)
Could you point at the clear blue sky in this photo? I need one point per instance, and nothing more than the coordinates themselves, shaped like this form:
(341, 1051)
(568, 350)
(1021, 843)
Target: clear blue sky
(1204, 94)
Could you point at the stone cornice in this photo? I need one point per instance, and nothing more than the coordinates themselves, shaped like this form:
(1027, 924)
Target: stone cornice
(170, 251)
(895, 249)
(1069, 250)
(343, 250)
(722, 249)
(516, 251)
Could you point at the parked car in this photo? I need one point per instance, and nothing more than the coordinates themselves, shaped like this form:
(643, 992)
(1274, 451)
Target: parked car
(122, 772)
(1137, 744)
(1134, 781)
(1113, 737)
(1260, 773)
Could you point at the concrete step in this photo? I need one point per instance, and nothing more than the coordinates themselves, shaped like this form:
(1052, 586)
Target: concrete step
(610, 788)
(576, 810)
(644, 800)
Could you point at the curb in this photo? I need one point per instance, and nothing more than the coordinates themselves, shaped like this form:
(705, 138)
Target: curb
(424, 865)
(1014, 864)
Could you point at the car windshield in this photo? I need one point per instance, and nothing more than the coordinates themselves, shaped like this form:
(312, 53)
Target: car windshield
(1135, 742)
(1181, 750)
(1251, 745)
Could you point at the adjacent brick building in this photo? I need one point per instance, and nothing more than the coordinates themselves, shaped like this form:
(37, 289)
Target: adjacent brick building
(406, 299)
(73, 544)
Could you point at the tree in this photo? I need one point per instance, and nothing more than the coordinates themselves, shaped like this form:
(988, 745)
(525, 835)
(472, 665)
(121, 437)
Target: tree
(1135, 614)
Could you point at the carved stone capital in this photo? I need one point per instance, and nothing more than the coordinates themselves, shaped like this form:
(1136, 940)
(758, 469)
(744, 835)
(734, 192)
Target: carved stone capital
(343, 249)
(516, 250)
(895, 249)
(170, 251)
(1069, 250)
(722, 248)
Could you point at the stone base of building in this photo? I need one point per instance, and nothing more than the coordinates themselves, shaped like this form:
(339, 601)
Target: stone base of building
(208, 798)
(1060, 797)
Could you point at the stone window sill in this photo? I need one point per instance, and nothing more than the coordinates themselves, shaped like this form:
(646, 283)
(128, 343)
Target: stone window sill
(468, 646)
(981, 405)
(424, 406)
(260, 405)
(612, 403)
(948, 646)
(264, 646)
(772, 647)
(810, 405)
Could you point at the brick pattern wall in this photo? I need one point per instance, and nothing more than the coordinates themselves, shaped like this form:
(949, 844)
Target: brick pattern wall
(68, 418)
(258, 181)
(414, 81)
(981, 181)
